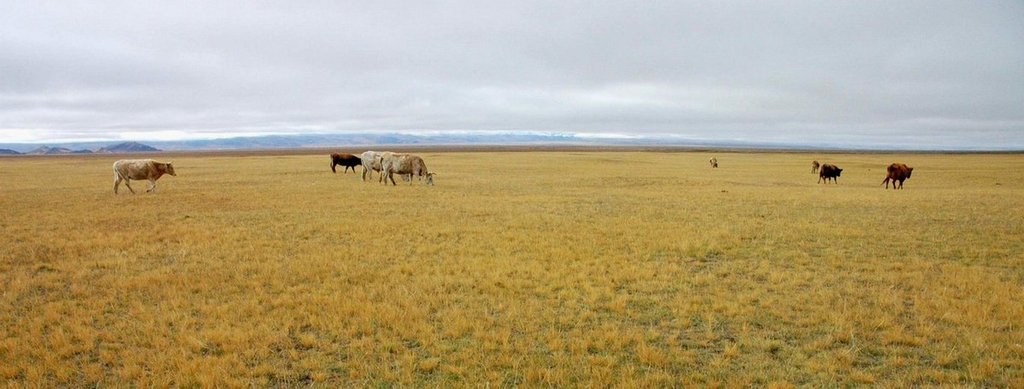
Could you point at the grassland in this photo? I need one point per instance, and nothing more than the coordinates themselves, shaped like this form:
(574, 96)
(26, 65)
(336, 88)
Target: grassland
(554, 268)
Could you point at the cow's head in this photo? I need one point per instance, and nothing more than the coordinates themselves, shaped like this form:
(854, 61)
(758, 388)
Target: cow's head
(839, 172)
(170, 169)
(430, 179)
(910, 171)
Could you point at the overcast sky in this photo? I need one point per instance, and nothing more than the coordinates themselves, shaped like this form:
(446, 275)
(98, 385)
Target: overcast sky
(949, 72)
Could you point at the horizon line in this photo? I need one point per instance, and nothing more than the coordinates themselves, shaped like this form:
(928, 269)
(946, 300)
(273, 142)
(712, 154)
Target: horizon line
(554, 138)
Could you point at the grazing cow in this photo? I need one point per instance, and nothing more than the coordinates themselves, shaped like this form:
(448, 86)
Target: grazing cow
(897, 172)
(403, 164)
(375, 164)
(371, 162)
(814, 166)
(346, 160)
(140, 169)
(714, 162)
(829, 171)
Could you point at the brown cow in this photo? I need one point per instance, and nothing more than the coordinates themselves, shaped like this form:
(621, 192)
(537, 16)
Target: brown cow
(829, 171)
(346, 160)
(140, 169)
(897, 172)
(714, 162)
(814, 166)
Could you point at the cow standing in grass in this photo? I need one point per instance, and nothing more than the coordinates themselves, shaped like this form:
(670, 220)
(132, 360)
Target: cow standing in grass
(140, 169)
(371, 162)
(897, 172)
(378, 158)
(714, 162)
(402, 164)
(346, 160)
(829, 171)
(815, 166)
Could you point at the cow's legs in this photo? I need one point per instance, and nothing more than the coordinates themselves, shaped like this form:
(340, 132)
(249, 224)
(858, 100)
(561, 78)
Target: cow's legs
(152, 186)
(117, 182)
(127, 183)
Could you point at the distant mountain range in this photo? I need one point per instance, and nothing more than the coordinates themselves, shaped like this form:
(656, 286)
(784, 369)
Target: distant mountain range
(376, 139)
(47, 150)
(124, 147)
(365, 140)
(127, 147)
(337, 140)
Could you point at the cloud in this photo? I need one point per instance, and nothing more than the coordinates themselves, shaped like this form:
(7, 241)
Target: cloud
(758, 70)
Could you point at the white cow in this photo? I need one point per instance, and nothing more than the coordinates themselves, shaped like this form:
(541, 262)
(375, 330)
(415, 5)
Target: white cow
(380, 156)
(140, 169)
(403, 164)
(371, 162)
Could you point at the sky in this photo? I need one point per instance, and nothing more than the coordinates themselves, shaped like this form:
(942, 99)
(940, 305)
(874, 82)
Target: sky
(945, 73)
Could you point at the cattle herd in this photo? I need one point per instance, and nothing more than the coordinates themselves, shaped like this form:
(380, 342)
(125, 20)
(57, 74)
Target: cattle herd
(409, 166)
(895, 172)
(386, 163)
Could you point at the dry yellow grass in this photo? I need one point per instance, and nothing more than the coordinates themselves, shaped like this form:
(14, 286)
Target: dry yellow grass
(556, 268)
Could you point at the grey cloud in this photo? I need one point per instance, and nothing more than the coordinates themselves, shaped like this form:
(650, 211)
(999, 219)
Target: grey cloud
(852, 71)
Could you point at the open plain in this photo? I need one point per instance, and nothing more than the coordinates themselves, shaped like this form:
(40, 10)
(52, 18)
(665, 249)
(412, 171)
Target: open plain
(561, 268)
